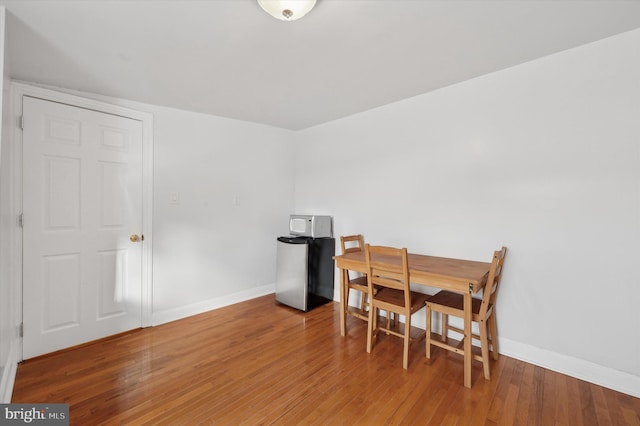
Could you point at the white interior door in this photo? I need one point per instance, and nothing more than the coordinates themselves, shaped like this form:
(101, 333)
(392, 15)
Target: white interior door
(82, 201)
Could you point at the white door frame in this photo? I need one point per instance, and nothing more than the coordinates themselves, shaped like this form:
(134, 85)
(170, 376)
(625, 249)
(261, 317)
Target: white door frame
(18, 90)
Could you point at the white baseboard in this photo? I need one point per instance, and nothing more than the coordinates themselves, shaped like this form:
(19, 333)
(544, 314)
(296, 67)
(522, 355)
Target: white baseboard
(169, 315)
(9, 373)
(574, 367)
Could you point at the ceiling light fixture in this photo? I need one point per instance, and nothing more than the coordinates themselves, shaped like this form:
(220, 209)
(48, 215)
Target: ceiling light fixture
(287, 10)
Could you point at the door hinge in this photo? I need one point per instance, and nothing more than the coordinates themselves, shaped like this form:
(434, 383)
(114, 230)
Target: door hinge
(21, 330)
(21, 220)
(21, 122)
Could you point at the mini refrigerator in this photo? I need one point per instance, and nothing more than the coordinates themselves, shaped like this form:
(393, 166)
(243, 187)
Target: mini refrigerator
(305, 270)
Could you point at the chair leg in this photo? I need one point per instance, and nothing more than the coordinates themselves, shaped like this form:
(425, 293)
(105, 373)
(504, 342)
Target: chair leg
(428, 331)
(363, 301)
(445, 325)
(484, 347)
(493, 329)
(407, 337)
(345, 298)
(370, 327)
(376, 314)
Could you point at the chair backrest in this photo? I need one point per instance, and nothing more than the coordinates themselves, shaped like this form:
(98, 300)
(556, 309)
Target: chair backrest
(490, 292)
(388, 267)
(348, 246)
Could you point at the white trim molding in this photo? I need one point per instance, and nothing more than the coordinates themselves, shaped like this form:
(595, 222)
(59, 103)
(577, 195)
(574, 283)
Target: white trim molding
(574, 367)
(162, 317)
(571, 366)
(9, 373)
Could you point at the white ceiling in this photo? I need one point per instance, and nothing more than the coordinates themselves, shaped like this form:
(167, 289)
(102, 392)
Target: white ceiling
(229, 58)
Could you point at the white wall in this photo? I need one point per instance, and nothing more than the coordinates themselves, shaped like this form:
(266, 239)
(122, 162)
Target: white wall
(235, 186)
(543, 158)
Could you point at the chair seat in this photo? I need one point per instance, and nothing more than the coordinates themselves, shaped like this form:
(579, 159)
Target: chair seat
(396, 297)
(454, 301)
(359, 283)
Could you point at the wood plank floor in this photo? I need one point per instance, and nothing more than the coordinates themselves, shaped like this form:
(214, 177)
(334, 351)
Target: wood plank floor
(259, 363)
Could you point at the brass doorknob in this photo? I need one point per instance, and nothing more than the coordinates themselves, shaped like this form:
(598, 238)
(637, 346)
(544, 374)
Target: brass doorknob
(134, 238)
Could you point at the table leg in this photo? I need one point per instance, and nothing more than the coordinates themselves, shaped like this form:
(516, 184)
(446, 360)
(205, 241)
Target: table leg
(468, 356)
(343, 319)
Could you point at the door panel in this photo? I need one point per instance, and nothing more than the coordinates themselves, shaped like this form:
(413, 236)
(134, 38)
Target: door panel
(61, 193)
(82, 199)
(111, 296)
(61, 291)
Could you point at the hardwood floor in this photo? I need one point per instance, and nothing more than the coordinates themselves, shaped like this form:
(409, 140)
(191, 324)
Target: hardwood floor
(260, 363)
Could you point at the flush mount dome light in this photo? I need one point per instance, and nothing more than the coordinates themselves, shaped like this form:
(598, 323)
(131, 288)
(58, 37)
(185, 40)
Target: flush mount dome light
(287, 10)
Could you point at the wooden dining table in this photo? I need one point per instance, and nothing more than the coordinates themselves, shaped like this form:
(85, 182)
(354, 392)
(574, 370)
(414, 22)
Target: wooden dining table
(466, 277)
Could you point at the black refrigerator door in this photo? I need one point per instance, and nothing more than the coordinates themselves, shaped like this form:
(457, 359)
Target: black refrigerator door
(321, 271)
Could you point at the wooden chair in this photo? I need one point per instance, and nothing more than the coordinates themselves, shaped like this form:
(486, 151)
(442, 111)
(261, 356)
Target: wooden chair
(388, 270)
(483, 312)
(357, 283)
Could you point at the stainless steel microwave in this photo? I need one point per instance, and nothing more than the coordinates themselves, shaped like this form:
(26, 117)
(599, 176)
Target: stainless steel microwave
(311, 226)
